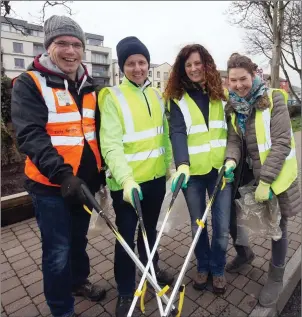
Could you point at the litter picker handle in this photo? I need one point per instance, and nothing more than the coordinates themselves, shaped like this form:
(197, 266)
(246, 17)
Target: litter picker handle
(138, 208)
(220, 176)
(91, 198)
(177, 188)
(137, 201)
(178, 184)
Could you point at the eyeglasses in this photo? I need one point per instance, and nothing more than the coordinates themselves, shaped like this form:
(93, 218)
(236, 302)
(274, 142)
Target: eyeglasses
(65, 45)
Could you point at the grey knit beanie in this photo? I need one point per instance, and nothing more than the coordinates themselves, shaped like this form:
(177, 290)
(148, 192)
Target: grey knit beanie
(57, 26)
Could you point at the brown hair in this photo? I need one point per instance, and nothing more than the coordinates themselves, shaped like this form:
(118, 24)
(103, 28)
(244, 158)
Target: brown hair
(240, 61)
(179, 82)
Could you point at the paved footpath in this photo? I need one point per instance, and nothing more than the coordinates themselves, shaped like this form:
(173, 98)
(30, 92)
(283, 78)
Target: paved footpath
(22, 285)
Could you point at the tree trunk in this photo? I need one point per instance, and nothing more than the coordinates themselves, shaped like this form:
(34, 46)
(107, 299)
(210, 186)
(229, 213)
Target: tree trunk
(276, 52)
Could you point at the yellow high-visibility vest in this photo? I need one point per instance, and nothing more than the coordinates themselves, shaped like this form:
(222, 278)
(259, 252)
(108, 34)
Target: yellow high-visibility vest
(143, 137)
(206, 146)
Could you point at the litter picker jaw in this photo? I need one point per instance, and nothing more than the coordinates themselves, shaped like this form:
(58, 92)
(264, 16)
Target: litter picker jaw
(90, 198)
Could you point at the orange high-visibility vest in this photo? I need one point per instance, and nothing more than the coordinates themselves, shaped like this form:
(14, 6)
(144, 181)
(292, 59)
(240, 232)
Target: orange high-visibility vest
(65, 126)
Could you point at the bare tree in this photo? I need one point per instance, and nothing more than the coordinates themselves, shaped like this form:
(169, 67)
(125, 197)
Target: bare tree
(272, 30)
(7, 12)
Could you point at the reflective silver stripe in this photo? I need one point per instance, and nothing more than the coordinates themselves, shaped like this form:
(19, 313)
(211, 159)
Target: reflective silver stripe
(160, 100)
(186, 113)
(218, 143)
(46, 93)
(63, 117)
(207, 147)
(141, 156)
(217, 124)
(266, 116)
(129, 124)
(138, 136)
(198, 129)
(88, 113)
(67, 140)
(89, 136)
(199, 149)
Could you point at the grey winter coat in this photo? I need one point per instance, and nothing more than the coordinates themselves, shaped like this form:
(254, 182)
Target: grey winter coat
(290, 200)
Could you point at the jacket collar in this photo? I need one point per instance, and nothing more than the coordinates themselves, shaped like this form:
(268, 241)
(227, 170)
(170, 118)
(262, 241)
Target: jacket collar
(133, 85)
(56, 78)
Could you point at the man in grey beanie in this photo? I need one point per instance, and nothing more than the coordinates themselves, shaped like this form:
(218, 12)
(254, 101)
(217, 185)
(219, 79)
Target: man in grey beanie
(51, 104)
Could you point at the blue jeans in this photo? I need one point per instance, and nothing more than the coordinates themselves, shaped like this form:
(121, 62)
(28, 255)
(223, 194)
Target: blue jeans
(65, 263)
(209, 258)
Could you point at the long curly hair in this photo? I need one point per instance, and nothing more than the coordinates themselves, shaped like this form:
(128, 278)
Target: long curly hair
(179, 82)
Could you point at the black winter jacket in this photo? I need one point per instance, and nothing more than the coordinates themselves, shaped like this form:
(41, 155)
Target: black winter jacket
(30, 115)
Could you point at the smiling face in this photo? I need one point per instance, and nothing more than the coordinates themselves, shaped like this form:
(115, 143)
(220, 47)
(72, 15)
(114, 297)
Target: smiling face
(136, 68)
(240, 81)
(194, 68)
(65, 56)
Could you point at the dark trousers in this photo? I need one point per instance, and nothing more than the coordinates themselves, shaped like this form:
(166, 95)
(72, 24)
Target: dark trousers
(65, 262)
(126, 222)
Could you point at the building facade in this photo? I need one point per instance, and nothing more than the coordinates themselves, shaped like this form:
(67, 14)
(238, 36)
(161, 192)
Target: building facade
(22, 41)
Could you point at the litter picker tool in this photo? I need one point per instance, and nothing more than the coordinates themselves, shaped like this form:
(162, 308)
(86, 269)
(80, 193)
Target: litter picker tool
(123, 243)
(138, 209)
(201, 224)
(142, 282)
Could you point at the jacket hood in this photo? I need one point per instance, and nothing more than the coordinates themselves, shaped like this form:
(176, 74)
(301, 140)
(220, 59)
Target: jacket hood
(261, 103)
(44, 64)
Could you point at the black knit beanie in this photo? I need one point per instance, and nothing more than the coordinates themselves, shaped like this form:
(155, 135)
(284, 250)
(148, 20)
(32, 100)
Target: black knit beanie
(129, 46)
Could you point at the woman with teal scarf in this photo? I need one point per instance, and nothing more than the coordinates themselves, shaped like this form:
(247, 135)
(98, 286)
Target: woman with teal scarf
(260, 146)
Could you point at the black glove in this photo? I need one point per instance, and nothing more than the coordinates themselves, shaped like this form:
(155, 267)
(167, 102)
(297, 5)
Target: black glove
(71, 190)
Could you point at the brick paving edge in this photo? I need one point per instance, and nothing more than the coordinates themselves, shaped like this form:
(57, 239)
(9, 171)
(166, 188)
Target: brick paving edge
(292, 277)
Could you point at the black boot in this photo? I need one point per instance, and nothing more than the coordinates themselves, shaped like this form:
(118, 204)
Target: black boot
(164, 277)
(245, 255)
(91, 292)
(123, 305)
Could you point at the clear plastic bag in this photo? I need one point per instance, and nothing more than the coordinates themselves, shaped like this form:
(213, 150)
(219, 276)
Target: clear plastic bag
(256, 219)
(97, 223)
(178, 212)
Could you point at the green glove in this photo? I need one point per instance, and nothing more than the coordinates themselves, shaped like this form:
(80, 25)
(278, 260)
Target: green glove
(230, 165)
(129, 185)
(263, 192)
(182, 169)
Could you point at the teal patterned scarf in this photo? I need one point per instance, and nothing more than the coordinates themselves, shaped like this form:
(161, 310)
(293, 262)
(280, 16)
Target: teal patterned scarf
(244, 106)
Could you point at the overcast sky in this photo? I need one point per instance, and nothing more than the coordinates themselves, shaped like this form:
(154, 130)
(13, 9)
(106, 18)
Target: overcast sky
(163, 26)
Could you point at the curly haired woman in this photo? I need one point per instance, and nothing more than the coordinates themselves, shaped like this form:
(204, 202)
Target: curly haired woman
(198, 133)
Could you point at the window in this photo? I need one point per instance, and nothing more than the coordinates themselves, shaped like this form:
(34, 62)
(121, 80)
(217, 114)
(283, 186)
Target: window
(99, 71)
(19, 63)
(84, 57)
(99, 58)
(94, 42)
(158, 85)
(5, 27)
(166, 75)
(18, 47)
(150, 73)
(36, 33)
(38, 49)
(158, 74)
